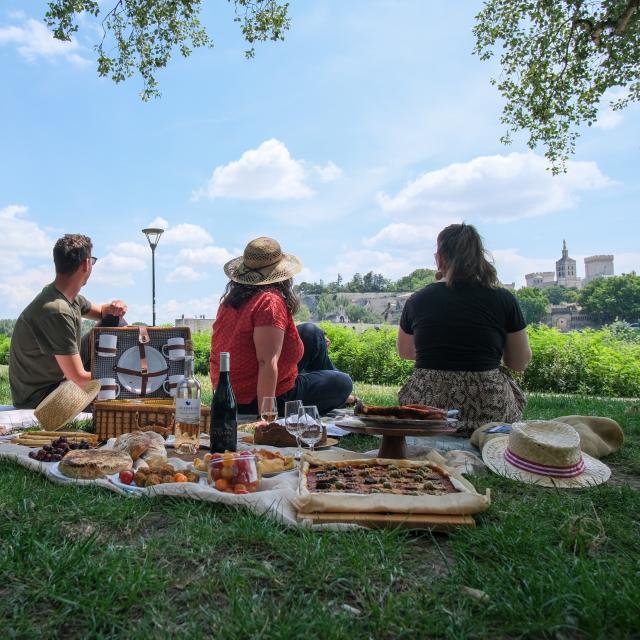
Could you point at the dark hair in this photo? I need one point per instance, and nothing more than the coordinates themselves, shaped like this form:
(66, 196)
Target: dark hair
(460, 248)
(236, 294)
(70, 252)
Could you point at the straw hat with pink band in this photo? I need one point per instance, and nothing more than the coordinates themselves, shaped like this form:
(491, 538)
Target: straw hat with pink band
(546, 453)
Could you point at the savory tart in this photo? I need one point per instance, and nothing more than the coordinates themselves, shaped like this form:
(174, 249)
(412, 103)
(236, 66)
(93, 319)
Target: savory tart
(94, 463)
(364, 478)
(380, 485)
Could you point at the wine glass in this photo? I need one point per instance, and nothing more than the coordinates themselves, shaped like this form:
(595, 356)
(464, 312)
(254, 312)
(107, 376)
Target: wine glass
(292, 422)
(269, 409)
(311, 427)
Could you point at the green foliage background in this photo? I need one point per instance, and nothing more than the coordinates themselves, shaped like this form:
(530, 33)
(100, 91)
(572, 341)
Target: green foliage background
(600, 362)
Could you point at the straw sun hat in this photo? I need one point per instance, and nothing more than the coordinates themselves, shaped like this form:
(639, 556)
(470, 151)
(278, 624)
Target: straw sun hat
(546, 453)
(262, 263)
(64, 403)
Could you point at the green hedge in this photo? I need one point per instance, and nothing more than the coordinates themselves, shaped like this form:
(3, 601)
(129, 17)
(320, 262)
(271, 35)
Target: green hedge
(604, 362)
(5, 342)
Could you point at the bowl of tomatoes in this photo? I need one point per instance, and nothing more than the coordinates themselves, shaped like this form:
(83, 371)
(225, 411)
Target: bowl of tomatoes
(234, 472)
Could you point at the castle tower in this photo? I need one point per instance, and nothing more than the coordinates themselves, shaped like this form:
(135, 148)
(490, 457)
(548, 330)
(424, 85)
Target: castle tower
(597, 267)
(566, 274)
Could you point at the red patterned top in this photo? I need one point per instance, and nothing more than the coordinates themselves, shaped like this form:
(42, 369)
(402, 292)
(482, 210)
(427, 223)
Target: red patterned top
(233, 332)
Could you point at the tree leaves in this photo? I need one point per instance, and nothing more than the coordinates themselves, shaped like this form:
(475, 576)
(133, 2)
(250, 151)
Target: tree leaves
(140, 36)
(558, 58)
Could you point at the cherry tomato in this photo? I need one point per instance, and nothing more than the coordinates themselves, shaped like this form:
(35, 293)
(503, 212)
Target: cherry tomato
(221, 484)
(228, 472)
(126, 476)
(237, 488)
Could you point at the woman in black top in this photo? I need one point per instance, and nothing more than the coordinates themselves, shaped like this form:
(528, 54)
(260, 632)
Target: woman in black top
(459, 331)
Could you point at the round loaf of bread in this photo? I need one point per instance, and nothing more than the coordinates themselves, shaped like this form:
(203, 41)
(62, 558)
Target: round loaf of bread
(89, 464)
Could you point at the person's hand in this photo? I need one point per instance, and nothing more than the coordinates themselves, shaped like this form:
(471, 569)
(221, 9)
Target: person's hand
(114, 308)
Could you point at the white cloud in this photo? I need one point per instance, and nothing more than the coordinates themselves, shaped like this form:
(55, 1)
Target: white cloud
(401, 234)
(512, 266)
(21, 239)
(158, 223)
(132, 249)
(33, 40)
(266, 173)
(364, 260)
(329, 172)
(214, 256)
(172, 309)
(497, 188)
(185, 274)
(191, 234)
(117, 270)
(608, 118)
(18, 289)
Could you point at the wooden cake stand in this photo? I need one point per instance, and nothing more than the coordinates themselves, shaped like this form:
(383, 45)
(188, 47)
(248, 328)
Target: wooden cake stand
(394, 444)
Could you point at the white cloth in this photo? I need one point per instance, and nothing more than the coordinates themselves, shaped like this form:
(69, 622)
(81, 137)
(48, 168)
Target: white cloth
(17, 419)
(275, 498)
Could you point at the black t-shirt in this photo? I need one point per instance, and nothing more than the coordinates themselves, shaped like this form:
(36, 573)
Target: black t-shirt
(463, 328)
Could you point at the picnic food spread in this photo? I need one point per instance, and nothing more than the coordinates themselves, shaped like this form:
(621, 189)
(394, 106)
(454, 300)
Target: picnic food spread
(94, 463)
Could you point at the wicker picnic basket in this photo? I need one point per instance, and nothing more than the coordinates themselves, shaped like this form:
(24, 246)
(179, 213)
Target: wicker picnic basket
(147, 408)
(112, 418)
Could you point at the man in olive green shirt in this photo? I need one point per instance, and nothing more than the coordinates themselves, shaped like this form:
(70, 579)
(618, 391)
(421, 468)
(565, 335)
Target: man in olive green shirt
(46, 341)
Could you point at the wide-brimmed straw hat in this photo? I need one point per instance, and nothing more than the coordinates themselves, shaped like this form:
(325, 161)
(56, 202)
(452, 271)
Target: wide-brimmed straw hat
(64, 403)
(545, 453)
(262, 262)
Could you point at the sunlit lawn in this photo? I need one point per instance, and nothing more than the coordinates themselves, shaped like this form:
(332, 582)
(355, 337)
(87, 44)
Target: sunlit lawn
(86, 563)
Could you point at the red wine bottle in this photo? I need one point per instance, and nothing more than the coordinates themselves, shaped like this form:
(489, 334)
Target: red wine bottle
(224, 412)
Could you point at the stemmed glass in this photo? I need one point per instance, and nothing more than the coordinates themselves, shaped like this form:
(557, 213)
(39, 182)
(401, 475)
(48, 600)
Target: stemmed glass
(292, 424)
(269, 409)
(311, 426)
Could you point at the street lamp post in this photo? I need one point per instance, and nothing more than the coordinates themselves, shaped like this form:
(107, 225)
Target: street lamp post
(153, 236)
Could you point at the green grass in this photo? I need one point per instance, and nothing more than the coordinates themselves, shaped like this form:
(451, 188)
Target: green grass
(86, 563)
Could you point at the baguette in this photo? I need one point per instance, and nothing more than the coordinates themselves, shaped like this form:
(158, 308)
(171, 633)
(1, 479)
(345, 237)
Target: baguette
(57, 434)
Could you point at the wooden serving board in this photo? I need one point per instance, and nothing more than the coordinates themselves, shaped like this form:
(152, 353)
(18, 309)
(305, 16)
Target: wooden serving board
(436, 522)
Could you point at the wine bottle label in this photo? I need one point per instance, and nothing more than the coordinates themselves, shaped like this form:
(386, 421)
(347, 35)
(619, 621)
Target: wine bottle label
(188, 410)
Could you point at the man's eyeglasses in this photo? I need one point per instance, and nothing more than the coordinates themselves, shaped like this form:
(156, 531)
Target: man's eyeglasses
(93, 259)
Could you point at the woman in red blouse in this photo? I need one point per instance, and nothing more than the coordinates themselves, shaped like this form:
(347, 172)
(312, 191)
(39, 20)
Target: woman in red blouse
(270, 356)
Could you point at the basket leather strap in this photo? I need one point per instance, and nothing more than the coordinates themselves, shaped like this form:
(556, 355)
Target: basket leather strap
(144, 368)
(132, 372)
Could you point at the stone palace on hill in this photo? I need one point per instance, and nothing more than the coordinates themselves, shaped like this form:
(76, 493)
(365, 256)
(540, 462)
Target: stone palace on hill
(566, 274)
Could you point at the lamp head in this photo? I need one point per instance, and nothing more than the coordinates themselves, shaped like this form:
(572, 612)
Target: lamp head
(153, 236)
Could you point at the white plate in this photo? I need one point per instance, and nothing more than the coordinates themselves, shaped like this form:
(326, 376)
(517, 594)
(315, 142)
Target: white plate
(134, 488)
(130, 359)
(115, 479)
(55, 471)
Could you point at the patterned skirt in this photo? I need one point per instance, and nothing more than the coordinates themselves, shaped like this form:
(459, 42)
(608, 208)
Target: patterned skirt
(480, 396)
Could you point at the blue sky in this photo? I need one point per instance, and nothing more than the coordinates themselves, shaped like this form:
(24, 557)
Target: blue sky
(353, 142)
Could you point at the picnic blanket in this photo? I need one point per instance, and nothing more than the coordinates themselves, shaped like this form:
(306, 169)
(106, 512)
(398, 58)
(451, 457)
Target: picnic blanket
(275, 498)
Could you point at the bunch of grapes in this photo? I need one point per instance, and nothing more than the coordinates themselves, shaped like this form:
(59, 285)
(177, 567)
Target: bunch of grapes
(57, 450)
